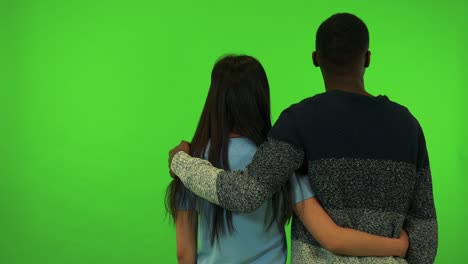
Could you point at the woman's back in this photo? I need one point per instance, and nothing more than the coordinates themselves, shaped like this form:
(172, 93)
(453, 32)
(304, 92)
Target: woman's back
(251, 241)
(238, 103)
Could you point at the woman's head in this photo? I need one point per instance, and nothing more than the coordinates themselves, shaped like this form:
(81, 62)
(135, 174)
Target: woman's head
(238, 102)
(239, 99)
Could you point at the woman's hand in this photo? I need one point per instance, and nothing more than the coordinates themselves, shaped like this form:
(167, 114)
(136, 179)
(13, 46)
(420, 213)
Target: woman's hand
(183, 146)
(404, 239)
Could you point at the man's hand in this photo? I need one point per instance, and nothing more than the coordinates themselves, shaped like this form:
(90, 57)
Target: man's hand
(183, 146)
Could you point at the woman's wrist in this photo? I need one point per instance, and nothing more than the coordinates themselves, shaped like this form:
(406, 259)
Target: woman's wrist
(402, 247)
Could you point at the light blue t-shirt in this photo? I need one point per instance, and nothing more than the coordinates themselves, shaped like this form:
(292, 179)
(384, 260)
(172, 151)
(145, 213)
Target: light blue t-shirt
(251, 242)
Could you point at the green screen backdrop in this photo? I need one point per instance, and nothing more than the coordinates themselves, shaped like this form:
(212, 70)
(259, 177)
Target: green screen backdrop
(93, 94)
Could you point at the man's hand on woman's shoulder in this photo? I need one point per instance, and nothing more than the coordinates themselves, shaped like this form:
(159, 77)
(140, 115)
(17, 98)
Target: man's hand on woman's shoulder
(183, 146)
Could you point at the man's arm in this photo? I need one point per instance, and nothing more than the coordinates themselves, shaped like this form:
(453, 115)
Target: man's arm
(244, 191)
(421, 221)
(240, 191)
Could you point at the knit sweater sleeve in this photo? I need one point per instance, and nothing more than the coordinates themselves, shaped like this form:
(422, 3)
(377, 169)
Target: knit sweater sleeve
(245, 191)
(421, 222)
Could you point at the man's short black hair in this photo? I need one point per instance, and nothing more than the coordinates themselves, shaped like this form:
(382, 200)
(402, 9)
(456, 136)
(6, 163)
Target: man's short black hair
(340, 41)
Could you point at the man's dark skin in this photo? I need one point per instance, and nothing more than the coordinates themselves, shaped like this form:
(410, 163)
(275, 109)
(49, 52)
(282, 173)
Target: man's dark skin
(183, 146)
(349, 79)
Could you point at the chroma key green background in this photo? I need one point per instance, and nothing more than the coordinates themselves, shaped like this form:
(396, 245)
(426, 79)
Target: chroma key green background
(94, 93)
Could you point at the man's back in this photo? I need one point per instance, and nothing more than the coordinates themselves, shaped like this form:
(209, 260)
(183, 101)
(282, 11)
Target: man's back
(365, 157)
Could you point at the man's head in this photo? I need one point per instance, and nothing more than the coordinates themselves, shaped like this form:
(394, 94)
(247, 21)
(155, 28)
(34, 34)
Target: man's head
(342, 44)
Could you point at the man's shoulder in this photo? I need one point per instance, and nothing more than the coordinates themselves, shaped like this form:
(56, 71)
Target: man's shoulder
(402, 111)
(322, 101)
(307, 103)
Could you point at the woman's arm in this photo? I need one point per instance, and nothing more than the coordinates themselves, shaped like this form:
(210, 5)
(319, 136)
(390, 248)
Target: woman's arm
(186, 235)
(346, 241)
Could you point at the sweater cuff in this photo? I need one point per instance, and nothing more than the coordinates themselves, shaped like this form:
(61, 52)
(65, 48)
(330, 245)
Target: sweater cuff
(198, 175)
(177, 164)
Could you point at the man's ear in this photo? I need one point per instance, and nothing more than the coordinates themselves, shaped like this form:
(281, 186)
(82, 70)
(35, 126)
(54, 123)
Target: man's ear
(367, 59)
(314, 59)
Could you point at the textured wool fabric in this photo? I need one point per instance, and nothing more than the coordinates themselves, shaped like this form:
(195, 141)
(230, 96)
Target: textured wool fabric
(367, 162)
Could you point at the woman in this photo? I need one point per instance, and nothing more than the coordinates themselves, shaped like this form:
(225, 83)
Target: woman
(235, 120)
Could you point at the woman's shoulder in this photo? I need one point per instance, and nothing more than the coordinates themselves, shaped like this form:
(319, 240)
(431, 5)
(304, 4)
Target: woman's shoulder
(240, 153)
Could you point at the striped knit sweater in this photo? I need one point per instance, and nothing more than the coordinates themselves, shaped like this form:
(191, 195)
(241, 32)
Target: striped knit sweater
(368, 165)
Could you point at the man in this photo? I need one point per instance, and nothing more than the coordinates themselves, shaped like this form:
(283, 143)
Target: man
(366, 157)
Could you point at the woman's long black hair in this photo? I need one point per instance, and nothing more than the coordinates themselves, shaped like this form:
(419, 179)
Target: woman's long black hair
(238, 101)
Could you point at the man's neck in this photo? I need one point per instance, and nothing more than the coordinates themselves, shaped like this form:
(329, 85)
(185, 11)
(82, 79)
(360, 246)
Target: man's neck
(350, 84)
